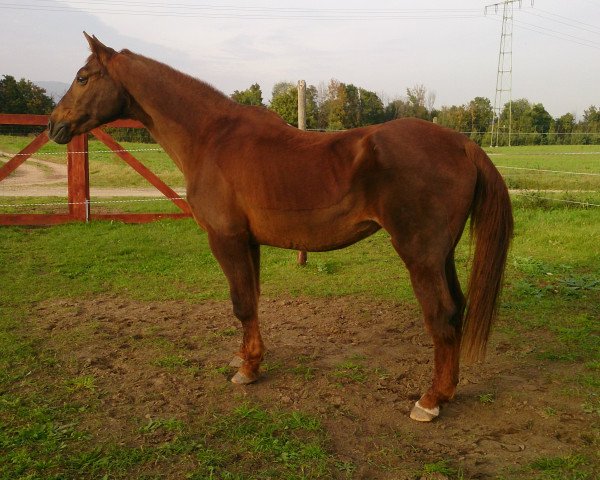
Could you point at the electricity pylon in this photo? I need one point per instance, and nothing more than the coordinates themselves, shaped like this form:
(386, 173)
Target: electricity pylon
(504, 75)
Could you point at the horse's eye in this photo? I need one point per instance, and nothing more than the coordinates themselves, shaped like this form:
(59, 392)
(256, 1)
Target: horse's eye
(82, 80)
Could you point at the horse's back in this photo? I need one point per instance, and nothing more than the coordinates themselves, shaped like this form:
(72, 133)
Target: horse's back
(286, 169)
(274, 166)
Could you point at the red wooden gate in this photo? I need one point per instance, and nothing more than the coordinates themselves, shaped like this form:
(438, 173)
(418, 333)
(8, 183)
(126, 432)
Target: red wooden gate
(78, 177)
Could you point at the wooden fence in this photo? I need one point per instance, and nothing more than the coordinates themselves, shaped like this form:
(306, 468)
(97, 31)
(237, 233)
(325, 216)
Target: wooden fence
(78, 177)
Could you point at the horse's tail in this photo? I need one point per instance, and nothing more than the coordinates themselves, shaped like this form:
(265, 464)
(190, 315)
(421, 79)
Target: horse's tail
(492, 228)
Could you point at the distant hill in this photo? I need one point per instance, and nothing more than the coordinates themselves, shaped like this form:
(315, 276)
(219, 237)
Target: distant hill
(53, 89)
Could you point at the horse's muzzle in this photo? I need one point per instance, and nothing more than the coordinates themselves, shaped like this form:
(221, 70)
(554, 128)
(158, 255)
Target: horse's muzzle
(59, 132)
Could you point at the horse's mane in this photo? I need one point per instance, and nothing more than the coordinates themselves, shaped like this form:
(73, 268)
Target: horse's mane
(196, 94)
(181, 79)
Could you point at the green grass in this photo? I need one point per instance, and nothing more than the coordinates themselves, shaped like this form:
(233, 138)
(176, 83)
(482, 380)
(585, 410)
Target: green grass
(550, 157)
(290, 445)
(551, 288)
(350, 371)
(551, 299)
(560, 468)
(441, 468)
(168, 424)
(106, 168)
(555, 256)
(41, 435)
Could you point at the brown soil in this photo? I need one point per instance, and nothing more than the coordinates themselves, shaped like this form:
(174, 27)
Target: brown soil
(34, 171)
(529, 414)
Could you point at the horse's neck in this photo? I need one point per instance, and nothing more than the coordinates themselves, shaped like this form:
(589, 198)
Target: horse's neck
(176, 108)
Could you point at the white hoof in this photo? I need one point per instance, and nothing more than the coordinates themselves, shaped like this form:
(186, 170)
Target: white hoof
(422, 414)
(241, 379)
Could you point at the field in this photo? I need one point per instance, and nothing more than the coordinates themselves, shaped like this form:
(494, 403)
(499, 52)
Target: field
(114, 343)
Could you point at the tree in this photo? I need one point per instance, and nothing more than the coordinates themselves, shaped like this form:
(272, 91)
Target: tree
(250, 96)
(521, 122)
(371, 108)
(23, 97)
(397, 108)
(566, 123)
(312, 107)
(540, 118)
(480, 112)
(564, 127)
(418, 101)
(480, 117)
(284, 101)
(334, 105)
(457, 117)
(590, 125)
(350, 106)
(591, 117)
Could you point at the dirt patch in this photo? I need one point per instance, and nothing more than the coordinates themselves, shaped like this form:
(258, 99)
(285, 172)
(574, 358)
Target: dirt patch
(357, 365)
(35, 171)
(41, 178)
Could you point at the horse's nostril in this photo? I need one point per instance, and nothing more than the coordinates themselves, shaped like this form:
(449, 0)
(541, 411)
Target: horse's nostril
(59, 132)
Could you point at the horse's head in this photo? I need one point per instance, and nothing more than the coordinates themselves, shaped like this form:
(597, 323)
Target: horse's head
(93, 99)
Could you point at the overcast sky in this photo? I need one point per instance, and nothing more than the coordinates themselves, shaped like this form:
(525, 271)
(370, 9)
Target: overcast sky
(382, 45)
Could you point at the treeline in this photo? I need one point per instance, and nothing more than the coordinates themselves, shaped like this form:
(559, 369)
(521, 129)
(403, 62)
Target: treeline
(23, 96)
(338, 106)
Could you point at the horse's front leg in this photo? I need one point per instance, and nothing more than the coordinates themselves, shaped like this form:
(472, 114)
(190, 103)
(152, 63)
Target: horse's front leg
(239, 260)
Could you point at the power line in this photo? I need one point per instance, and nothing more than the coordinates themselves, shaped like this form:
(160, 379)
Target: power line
(145, 5)
(571, 25)
(549, 32)
(571, 22)
(134, 8)
(538, 29)
(161, 5)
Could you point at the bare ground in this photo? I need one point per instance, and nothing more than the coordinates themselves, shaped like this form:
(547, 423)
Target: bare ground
(35, 171)
(357, 365)
(41, 178)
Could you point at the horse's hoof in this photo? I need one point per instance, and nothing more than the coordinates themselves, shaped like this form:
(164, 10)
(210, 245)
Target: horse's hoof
(236, 362)
(241, 379)
(422, 414)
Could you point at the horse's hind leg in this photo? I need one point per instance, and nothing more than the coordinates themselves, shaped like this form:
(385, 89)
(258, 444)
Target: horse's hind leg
(239, 261)
(436, 287)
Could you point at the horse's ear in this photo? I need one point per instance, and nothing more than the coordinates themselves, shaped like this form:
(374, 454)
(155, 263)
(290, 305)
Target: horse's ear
(101, 51)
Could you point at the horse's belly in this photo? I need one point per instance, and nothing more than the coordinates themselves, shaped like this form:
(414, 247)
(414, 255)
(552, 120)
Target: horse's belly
(312, 231)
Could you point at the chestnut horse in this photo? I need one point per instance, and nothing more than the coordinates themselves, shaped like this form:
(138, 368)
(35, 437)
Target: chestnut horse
(254, 180)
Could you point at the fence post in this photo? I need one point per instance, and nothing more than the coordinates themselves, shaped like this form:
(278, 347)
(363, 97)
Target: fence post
(301, 104)
(79, 177)
(302, 255)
